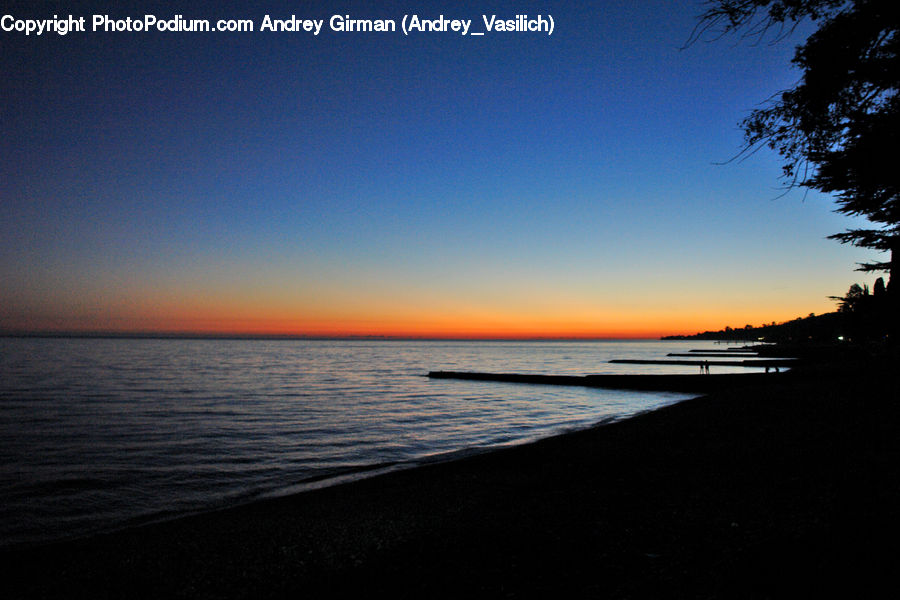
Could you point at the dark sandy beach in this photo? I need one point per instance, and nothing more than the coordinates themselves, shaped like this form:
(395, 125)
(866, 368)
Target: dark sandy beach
(786, 489)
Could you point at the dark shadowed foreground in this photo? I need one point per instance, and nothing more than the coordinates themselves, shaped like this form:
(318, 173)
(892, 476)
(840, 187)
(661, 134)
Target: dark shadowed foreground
(777, 490)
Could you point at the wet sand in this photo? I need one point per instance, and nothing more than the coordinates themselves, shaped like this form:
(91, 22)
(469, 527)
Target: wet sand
(783, 489)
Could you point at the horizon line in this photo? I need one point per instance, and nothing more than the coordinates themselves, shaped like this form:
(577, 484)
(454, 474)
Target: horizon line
(100, 334)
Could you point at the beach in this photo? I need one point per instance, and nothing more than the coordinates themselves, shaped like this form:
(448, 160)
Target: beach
(769, 491)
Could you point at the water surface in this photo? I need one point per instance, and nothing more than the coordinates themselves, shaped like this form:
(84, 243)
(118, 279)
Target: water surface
(97, 434)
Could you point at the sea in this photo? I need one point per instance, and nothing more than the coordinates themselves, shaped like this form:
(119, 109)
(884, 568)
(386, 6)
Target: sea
(98, 434)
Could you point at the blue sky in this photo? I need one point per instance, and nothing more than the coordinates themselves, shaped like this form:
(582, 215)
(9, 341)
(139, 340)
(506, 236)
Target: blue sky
(514, 184)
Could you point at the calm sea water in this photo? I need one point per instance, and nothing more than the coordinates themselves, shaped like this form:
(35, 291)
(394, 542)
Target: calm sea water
(97, 434)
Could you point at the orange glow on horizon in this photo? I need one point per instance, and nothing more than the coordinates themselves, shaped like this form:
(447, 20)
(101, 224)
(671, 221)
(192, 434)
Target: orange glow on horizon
(404, 313)
(623, 327)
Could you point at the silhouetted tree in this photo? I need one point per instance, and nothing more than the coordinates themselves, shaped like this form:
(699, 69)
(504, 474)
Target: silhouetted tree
(837, 129)
(854, 299)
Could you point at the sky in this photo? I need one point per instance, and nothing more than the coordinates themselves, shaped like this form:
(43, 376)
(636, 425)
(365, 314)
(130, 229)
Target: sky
(515, 184)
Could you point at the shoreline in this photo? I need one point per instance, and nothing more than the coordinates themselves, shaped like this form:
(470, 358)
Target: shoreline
(362, 472)
(720, 495)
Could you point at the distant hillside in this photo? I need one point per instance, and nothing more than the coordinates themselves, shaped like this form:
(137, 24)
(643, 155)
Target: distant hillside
(829, 327)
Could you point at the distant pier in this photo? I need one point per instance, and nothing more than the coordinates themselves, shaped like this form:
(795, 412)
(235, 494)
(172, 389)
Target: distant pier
(650, 383)
(762, 362)
(653, 382)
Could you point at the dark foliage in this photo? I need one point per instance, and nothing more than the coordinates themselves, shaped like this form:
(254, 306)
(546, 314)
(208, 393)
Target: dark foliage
(837, 129)
(860, 317)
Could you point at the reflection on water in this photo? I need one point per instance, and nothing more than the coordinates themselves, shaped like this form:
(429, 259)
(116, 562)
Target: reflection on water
(97, 433)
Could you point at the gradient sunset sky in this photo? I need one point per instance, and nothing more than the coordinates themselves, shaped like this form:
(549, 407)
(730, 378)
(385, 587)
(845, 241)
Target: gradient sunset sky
(513, 184)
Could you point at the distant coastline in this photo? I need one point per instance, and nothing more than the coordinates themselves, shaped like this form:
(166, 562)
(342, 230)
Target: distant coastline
(828, 327)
